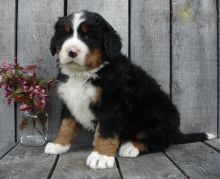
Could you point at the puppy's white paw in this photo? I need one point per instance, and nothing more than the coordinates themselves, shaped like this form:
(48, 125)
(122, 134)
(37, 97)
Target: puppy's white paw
(210, 136)
(52, 148)
(128, 150)
(99, 161)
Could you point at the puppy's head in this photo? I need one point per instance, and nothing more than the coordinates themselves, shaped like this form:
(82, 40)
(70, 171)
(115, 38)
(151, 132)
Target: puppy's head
(85, 39)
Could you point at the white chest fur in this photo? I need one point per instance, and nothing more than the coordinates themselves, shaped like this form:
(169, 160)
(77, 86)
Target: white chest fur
(78, 96)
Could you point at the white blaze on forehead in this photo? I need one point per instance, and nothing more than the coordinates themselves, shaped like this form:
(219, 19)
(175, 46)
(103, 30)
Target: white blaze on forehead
(77, 20)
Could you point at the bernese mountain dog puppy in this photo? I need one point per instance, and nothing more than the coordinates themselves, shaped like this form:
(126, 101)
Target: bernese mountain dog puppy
(102, 90)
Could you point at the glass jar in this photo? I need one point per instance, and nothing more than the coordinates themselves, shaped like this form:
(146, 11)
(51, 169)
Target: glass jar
(34, 128)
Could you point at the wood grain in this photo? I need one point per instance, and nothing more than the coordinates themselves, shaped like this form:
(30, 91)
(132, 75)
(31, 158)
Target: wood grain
(150, 166)
(214, 143)
(150, 39)
(7, 30)
(218, 66)
(7, 54)
(197, 160)
(195, 64)
(26, 162)
(73, 164)
(35, 29)
(5, 147)
(114, 11)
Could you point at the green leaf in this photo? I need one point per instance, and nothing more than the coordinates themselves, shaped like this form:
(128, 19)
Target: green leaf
(41, 81)
(19, 90)
(17, 74)
(26, 77)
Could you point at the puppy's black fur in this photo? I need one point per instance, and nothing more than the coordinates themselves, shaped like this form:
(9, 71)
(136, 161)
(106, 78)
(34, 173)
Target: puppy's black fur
(132, 102)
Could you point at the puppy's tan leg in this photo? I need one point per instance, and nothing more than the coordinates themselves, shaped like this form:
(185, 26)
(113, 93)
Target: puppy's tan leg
(66, 133)
(105, 149)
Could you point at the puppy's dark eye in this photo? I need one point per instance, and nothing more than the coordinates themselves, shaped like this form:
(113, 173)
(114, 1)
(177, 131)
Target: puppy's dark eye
(67, 28)
(84, 28)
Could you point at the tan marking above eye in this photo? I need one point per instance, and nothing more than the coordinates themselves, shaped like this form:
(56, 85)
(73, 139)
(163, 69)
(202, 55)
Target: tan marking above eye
(84, 27)
(67, 28)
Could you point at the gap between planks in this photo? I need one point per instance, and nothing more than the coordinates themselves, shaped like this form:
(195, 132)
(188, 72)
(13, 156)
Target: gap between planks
(8, 149)
(53, 167)
(177, 166)
(118, 167)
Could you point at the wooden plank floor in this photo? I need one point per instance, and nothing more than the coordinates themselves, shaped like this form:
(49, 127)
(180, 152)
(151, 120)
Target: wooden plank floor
(195, 160)
(5, 148)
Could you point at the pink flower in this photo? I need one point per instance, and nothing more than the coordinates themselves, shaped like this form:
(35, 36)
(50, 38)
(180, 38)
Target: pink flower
(6, 94)
(5, 66)
(4, 86)
(31, 95)
(43, 101)
(22, 85)
(26, 88)
(31, 89)
(37, 87)
(36, 91)
(24, 107)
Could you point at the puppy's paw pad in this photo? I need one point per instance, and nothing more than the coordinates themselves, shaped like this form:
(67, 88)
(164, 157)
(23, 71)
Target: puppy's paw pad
(52, 148)
(99, 161)
(128, 150)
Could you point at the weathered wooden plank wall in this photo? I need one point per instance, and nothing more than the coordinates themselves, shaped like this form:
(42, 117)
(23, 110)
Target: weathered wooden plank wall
(7, 52)
(189, 73)
(150, 38)
(194, 62)
(218, 50)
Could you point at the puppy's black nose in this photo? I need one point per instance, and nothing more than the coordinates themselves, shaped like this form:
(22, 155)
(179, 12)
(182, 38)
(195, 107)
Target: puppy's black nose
(72, 54)
(73, 51)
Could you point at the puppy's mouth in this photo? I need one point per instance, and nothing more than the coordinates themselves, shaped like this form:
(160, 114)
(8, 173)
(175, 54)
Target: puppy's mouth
(71, 62)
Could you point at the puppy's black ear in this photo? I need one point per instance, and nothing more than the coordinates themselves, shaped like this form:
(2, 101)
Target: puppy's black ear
(53, 48)
(112, 42)
(53, 42)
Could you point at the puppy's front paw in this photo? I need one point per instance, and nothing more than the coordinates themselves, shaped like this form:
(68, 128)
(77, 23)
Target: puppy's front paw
(52, 148)
(99, 161)
(128, 150)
